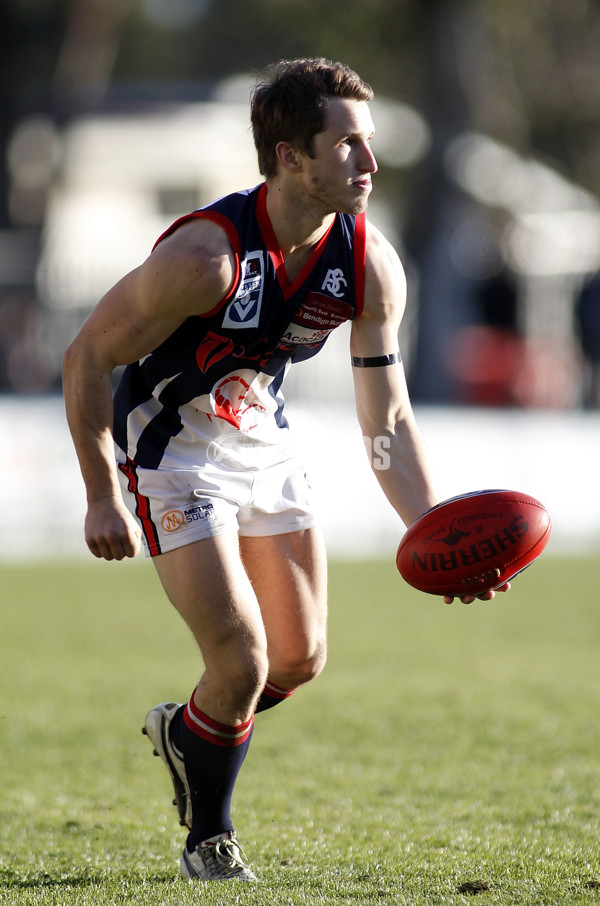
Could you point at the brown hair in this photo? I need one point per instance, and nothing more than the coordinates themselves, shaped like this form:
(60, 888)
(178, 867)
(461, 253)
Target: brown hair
(290, 102)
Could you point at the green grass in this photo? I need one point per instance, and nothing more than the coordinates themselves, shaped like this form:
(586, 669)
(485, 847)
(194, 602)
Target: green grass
(442, 747)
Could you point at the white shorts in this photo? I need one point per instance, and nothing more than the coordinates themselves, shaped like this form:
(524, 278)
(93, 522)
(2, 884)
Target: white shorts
(175, 507)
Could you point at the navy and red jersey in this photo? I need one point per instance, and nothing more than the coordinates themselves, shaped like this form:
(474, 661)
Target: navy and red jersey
(222, 372)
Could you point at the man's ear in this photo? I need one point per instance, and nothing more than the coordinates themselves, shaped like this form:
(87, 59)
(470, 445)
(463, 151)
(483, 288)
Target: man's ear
(288, 156)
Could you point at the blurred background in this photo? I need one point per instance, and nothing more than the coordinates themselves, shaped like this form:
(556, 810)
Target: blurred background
(117, 116)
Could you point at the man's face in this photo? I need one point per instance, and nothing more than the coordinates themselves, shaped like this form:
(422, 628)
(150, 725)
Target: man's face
(338, 175)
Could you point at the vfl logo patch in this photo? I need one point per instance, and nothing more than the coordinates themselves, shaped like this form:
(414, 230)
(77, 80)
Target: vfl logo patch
(333, 282)
(244, 309)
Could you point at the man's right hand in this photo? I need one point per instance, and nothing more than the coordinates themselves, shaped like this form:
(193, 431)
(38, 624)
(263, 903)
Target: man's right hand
(111, 532)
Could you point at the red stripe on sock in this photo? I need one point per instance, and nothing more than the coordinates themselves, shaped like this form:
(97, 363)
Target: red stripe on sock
(276, 692)
(213, 731)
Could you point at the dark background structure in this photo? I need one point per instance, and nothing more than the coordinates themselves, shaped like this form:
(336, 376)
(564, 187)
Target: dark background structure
(496, 213)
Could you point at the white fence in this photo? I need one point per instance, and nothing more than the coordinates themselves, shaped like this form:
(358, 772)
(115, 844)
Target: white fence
(553, 456)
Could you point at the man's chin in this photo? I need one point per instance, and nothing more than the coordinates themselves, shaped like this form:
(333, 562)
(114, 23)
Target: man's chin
(359, 207)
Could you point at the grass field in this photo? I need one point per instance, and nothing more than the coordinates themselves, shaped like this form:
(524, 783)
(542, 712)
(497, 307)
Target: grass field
(446, 755)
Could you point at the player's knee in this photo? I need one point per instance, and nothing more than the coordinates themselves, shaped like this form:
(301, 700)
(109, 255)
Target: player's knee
(239, 669)
(248, 672)
(302, 668)
(310, 668)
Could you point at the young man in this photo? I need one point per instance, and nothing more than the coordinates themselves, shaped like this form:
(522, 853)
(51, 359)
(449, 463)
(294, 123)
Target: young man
(205, 475)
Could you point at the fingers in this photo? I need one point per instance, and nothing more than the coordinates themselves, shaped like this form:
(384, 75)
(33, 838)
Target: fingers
(111, 535)
(468, 599)
(114, 549)
(486, 596)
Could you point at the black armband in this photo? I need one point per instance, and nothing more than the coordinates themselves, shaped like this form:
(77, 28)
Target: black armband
(376, 361)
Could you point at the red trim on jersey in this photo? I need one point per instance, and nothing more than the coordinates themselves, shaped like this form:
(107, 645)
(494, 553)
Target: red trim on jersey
(233, 237)
(142, 507)
(266, 227)
(360, 260)
(212, 731)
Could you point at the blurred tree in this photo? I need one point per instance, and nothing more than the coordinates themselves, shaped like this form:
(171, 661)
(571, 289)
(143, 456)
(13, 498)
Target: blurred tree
(30, 35)
(52, 54)
(88, 49)
(238, 35)
(546, 69)
(527, 74)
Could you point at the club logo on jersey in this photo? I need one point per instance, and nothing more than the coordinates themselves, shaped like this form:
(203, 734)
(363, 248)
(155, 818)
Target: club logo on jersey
(212, 349)
(236, 403)
(333, 282)
(244, 309)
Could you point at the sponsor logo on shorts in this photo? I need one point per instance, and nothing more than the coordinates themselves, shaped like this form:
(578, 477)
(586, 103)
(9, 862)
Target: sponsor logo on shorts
(176, 519)
(172, 521)
(199, 511)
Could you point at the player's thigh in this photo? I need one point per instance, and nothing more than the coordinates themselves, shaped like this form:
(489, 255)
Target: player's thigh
(207, 583)
(289, 576)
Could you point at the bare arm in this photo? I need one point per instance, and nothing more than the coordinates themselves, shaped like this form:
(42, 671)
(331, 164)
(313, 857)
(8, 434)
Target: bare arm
(384, 410)
(187, 274)
(383, 406)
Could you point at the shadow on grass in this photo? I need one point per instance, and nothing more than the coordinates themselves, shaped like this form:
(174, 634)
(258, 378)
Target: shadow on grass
(12, 881)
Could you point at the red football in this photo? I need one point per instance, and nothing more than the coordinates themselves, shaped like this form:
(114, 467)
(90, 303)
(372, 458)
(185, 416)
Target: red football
(472, 543)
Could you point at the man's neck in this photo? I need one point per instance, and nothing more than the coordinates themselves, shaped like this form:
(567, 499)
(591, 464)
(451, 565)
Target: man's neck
(296, 224)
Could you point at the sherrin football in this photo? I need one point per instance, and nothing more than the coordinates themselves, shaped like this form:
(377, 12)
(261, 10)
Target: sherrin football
(472, 543)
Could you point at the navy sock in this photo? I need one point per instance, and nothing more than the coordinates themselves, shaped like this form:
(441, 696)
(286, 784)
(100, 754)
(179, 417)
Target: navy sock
(213, 755)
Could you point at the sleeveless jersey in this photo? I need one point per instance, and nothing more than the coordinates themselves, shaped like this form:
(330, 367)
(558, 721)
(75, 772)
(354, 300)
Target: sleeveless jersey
(221, 373)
